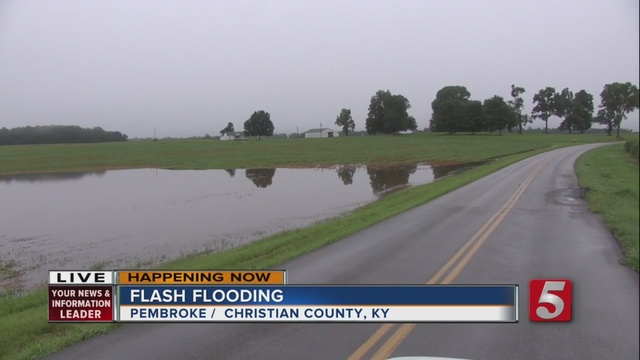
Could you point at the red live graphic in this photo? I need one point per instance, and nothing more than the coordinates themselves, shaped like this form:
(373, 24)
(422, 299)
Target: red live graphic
(550, 300)
(80, 303)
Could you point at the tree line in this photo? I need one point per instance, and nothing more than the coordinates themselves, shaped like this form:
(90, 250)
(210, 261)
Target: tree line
(57, 134)
(454, 111)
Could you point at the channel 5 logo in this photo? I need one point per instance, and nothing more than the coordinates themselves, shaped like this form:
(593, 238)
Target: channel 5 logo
(550, 300)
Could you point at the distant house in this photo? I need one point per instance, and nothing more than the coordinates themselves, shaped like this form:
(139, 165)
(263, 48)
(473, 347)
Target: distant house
(321, 133)
(233, 136)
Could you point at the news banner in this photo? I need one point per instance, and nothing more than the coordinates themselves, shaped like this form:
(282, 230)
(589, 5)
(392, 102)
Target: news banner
(265, 296)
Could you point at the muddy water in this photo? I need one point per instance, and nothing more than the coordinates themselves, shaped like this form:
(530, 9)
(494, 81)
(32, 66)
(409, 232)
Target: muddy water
(137, 218)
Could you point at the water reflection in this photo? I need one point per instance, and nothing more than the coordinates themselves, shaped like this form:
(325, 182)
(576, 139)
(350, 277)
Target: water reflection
(48, 177)
(134, 218)
(261, 177)
(345, 173)
(387, 179)
(446, 170)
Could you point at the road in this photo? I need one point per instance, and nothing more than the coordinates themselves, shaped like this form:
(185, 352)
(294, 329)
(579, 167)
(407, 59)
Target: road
(525, 221)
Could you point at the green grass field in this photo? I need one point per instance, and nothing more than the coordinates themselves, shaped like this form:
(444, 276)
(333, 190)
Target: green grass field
(212, 154)
(611, 176)
(24, 332)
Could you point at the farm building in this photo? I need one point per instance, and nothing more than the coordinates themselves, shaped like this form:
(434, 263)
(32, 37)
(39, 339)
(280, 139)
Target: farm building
(233, 136)
(321, 133)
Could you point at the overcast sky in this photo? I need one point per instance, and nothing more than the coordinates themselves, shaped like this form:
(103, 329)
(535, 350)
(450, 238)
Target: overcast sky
(188, 67)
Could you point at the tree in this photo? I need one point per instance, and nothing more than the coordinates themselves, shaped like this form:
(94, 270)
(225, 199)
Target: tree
(526, 119)
(346, 121)
(345, 173)
(545, 106)
(448, 109)
(517, 103)
(388, 114)
(617, 100)
(227, 129)
(605, 117)
(261, 177)
(579, 113)
(474, 116)
(259, 124)
(497, 113)
(562, 102)
(384, 180)
(57, 134)
(562, 107)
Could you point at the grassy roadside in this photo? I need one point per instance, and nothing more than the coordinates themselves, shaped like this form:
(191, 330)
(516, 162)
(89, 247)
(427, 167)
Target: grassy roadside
(612, 178)
(210, 154)
(24, 333)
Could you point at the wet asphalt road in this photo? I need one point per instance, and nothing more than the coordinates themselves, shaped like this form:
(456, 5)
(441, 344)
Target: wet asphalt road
(547, 232)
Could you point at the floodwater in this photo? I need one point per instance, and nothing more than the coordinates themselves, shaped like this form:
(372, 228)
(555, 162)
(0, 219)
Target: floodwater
(138, 218)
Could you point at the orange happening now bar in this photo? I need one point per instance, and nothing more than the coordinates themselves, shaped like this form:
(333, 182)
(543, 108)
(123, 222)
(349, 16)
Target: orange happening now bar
(221, 277)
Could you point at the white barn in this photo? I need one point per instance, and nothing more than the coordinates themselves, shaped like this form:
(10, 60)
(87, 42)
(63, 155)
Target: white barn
(321, 133)
(233, 136)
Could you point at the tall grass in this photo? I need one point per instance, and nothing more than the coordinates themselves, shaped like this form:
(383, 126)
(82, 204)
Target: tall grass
(631, 146)
(613, 183)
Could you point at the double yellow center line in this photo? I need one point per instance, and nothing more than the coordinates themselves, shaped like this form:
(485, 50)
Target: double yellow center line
(468, 250)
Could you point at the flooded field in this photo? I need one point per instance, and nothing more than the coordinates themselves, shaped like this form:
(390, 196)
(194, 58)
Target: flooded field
(138, 218)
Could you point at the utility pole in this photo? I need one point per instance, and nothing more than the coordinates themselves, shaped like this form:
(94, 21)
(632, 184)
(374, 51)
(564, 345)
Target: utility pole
(320, 130)
(154, 134)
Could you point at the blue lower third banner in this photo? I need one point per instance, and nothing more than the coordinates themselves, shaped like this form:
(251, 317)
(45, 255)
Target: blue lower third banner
(319, 303)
